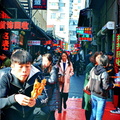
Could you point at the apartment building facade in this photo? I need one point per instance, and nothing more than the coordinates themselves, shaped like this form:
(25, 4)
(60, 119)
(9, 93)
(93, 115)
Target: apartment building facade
(63, 16)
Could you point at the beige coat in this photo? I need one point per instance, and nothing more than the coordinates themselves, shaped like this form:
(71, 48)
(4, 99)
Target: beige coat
(68, 73)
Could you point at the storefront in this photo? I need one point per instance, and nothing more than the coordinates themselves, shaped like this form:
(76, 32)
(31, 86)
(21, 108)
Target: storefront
(16, 28)
(12, 32)
(105, 36)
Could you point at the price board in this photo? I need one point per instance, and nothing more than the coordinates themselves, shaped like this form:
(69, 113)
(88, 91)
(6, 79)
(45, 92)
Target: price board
(84, 33)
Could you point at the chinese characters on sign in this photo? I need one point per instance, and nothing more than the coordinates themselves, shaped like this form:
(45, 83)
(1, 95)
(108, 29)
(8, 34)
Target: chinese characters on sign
(84, 33)
(10, 24)
(4, 15)
(40, 4)
(5, 40)
(118, 49)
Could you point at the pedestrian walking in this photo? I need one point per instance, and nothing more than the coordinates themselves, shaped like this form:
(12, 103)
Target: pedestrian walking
(116, 92)
(86, 104)
(87, 57)
(65, 71)
(111, 70)
(16, 85)
(50, 73)
(38, 59)
(99, 86)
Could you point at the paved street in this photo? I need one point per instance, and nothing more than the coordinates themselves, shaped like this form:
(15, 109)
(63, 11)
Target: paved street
(76, 86)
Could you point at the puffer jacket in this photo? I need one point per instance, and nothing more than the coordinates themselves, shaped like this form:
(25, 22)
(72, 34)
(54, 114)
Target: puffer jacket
(99, 81)
(10, 85)
(52, 87)
(54, 101)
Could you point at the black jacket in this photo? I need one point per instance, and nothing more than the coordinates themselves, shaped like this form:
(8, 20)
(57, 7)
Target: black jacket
(10, 85)
(53, 84)
(52, 87)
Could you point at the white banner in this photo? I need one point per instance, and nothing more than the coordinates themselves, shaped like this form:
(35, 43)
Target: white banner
(33, 42)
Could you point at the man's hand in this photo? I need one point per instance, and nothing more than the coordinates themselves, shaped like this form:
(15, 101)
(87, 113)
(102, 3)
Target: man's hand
(86, 87)
(25, 100)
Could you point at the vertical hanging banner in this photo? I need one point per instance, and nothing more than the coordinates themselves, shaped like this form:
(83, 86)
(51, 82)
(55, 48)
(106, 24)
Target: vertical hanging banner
(5, 38)
(117, 57)
(40, 4)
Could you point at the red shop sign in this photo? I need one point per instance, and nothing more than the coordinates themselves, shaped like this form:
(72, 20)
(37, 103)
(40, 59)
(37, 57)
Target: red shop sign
(5, 40)
(117, 49)
(14, 24)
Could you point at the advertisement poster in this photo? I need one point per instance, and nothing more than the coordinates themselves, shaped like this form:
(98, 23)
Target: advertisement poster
(40, 4)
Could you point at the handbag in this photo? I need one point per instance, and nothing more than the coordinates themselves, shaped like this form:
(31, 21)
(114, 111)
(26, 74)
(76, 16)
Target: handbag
(61, 79)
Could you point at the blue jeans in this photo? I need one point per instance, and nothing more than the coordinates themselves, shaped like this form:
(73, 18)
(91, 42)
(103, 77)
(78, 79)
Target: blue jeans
(98, 106)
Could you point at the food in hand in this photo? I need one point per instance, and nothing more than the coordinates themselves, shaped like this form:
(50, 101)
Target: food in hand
(38, 88)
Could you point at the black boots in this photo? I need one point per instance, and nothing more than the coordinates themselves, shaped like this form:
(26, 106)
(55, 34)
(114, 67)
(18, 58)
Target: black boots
(65, 106)
(65, 97)
(60, 107)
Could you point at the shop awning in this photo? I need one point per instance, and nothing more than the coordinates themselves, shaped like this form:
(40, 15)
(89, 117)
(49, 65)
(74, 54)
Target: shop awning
(83, 20)
(43, 33)
(37, 33)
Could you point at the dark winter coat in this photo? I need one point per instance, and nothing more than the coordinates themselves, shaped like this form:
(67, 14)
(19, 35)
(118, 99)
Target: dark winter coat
(9, 86)
(52, 87)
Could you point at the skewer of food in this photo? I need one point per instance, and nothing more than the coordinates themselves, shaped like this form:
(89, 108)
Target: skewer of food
(38, 88)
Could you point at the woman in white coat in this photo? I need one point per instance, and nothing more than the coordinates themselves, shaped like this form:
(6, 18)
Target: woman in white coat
(66, 70)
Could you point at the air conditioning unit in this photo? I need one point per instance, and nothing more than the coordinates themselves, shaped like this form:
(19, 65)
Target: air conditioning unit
(108, 26)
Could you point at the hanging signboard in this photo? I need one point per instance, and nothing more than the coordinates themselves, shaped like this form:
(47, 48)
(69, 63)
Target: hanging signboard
(33, 42)
(14, 24)
(5, 38)
(117, 57)
(40, 4)
(84, 33)
(108, 26)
